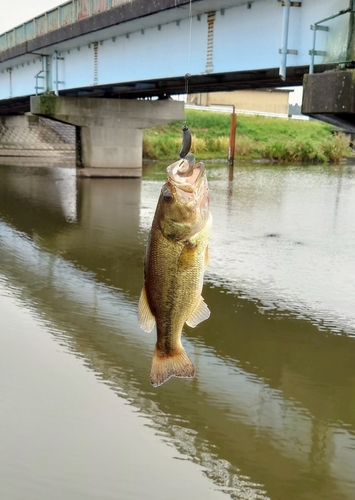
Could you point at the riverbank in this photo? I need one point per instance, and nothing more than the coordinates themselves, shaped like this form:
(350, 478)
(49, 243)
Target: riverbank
(257, 138)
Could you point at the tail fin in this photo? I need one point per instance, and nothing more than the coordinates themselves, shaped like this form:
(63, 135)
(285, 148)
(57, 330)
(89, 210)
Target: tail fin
(174, 364)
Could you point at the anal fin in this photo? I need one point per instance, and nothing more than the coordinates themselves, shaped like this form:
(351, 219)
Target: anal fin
(200, 314)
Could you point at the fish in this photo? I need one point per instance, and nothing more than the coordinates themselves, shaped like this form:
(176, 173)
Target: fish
(174, 265)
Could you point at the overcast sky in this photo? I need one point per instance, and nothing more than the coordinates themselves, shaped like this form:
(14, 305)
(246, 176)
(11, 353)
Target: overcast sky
(14, 12)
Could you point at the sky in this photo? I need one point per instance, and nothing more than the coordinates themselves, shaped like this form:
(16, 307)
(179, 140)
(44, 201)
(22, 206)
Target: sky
(23, 10)
(15, 12)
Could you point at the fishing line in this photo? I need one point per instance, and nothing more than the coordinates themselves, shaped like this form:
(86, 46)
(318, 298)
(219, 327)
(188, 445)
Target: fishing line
(189, 47)
(186, 134)
(187, 74)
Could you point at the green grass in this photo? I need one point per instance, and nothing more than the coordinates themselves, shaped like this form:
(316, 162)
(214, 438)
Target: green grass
(257, 137)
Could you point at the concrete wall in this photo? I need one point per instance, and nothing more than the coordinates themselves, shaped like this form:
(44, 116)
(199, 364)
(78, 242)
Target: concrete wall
(268, 100)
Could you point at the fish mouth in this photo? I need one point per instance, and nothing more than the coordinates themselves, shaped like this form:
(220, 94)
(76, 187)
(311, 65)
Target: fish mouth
(189, 183)
(187, 175)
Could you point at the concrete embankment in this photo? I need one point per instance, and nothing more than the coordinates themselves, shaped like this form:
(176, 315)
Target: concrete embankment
(32, 137)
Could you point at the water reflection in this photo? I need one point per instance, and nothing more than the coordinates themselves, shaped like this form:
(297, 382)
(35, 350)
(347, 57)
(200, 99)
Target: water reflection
(277, 241)
(271, 413)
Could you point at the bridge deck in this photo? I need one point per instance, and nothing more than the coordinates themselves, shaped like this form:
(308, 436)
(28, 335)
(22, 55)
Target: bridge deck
(140, 48)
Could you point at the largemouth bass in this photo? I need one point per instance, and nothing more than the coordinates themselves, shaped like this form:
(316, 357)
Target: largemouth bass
(175, 260)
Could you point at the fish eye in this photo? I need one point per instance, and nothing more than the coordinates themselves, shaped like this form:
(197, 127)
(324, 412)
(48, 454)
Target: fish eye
(167, 196)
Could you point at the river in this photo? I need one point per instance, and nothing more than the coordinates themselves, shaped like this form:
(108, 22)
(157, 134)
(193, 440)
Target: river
(271, 411)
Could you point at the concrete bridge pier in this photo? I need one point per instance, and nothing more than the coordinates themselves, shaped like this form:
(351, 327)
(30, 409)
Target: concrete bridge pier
(111, 130)
(330, 96)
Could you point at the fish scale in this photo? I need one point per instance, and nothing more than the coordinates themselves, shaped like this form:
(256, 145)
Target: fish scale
(175, 261)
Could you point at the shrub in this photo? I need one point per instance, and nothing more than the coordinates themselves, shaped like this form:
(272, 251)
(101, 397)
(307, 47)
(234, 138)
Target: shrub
(198, 145)
(257, 137)
(336, 147)
(160, 147)
(243, 145)
(296, 150)
(275, 150)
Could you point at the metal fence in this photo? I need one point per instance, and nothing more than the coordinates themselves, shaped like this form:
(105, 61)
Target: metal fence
(230, 109)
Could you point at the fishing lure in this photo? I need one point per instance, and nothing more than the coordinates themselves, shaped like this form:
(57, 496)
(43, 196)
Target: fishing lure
(186, 141)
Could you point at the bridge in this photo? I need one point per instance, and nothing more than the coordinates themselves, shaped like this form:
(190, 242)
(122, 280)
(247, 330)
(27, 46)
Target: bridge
(109, 66)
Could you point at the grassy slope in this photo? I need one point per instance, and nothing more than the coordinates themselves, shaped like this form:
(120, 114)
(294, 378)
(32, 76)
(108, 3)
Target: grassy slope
(257, 137)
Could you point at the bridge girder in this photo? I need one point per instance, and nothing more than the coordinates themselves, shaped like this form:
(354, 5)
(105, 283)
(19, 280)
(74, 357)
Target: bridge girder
(144, 49)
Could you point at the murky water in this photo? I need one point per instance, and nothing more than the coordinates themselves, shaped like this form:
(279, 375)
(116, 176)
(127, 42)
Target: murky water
(271, 412)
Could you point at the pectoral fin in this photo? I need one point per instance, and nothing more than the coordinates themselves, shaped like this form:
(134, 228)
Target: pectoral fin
(145, 316)
(200, 314)
(207, 257)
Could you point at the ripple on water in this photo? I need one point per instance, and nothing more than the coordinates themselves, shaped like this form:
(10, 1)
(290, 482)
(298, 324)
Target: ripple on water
(269, 414)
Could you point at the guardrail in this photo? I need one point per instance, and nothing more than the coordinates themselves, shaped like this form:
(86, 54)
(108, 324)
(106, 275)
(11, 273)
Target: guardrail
(229, 109)
(63, 15)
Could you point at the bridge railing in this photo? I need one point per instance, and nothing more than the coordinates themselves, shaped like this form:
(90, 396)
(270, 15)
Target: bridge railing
(230, 108)
(59, 17)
